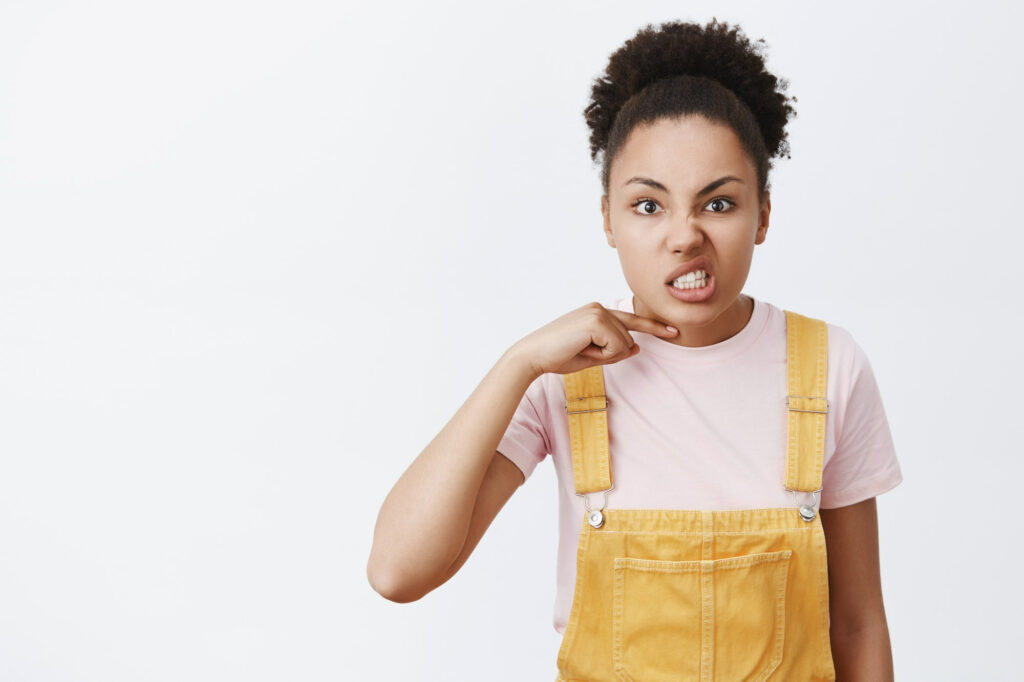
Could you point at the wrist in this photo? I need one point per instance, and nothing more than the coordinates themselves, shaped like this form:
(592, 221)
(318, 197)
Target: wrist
(518, 362)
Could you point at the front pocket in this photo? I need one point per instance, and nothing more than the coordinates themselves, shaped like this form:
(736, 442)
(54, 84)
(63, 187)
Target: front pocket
(719, 619)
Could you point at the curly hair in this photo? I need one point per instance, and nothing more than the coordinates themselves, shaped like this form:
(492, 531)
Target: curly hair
(682, 68)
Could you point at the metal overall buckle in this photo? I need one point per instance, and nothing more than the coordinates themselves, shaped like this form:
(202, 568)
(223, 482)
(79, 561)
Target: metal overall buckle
(809, 397)
(594, 516)
(807, 511)
(598, 409)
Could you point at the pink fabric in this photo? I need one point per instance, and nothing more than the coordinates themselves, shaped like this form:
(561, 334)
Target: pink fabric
(705, 428)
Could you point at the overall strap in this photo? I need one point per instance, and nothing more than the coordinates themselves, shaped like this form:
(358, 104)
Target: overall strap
(807, 369)
(587, 408)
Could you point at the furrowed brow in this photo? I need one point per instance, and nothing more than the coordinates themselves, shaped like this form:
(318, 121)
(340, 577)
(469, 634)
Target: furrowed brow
(711, 187)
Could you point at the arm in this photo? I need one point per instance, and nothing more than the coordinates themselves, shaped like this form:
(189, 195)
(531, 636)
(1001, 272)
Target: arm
(443, 503)
(859, 633)
(441, 506)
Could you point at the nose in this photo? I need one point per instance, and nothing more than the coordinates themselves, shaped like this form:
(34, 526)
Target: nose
(685, 235)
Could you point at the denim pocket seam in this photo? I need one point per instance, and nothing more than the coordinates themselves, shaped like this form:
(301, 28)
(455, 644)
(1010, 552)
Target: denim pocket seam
(780, 618)
(617, 607)
(622, 564)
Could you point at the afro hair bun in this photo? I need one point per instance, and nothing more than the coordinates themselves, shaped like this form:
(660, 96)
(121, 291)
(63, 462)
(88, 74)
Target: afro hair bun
(717, 51)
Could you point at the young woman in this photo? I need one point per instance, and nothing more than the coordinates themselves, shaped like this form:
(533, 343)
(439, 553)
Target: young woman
(718, 457)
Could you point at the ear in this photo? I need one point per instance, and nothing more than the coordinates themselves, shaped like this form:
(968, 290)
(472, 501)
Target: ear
(606, 212)
(762, 226)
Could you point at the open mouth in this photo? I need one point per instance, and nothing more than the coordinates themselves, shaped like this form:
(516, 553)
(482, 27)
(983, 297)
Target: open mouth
(693, 280)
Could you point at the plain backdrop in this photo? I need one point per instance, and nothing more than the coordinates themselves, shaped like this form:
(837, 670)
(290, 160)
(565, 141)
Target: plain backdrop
(254, 255)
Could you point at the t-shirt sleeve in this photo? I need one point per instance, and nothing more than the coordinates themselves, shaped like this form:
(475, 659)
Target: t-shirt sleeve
(526, 441)
(864, 463)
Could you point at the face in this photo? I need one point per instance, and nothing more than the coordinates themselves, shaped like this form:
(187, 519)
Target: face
(666, 208)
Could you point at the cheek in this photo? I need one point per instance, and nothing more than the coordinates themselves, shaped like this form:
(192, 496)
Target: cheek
(634, 239)
(736, 242)
(636, 261)
(735, 256)
(633, 253)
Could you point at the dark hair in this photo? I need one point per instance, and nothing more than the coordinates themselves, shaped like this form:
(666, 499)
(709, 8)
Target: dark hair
(685, 68)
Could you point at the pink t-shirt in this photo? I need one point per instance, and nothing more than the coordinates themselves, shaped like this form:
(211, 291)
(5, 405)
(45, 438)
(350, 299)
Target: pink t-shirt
(705, 428)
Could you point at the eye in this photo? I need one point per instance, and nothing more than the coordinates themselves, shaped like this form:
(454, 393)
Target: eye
(645, 201)
(719, 200)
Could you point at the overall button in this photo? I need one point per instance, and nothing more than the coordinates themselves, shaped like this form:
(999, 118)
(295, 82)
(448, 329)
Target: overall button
(595, 518)
(807, 512)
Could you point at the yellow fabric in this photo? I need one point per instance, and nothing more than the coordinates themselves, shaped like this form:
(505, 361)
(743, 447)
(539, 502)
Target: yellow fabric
(807, 367)
(585, 403)
(678, 594)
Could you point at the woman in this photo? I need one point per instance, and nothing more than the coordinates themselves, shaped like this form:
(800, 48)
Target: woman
(717, 434)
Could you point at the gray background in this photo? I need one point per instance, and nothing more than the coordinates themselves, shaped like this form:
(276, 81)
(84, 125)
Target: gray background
(255, 254)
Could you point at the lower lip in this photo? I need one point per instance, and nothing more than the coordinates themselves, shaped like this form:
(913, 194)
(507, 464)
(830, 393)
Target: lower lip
(694, 295)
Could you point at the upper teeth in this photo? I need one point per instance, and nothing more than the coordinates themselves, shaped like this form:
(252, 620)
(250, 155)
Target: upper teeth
(690, 277)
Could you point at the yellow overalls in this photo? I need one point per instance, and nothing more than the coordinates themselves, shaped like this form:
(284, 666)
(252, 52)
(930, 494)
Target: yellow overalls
(679, 594)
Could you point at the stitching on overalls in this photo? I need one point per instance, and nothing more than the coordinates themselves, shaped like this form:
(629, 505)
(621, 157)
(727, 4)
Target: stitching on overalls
(697, 565)
(569, 634)
(593, 557)
(757, 531)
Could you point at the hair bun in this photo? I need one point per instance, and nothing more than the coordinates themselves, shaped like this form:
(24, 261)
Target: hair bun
(717, 51)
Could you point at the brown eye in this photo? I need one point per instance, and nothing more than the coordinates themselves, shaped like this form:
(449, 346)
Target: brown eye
(720, 200)
(645, 204)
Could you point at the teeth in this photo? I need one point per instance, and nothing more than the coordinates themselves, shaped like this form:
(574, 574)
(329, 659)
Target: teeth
(692, 280)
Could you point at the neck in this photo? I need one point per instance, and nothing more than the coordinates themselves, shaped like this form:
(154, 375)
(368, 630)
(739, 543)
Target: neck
(726, 324)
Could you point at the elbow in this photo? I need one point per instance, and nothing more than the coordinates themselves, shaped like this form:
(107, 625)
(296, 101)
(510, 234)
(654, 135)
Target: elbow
(394, 591)
(388, 585)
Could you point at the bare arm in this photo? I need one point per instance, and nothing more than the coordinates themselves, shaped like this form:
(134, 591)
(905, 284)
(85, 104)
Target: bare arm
(440, 507)
(860, 635)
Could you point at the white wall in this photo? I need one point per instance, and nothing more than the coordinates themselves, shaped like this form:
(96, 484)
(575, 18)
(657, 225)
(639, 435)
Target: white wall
(253, 256)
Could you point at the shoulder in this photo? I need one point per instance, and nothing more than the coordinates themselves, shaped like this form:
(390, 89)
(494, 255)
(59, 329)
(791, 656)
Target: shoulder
(847, 359)
(845, 354)
(851, 381)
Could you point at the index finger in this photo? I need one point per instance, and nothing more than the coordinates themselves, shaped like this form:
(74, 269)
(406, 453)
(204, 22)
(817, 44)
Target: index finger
(643, 324)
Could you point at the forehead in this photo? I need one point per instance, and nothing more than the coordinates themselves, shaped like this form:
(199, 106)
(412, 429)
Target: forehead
(682, 153)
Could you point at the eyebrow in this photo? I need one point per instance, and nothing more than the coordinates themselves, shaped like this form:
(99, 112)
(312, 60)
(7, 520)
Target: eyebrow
(711, 187)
